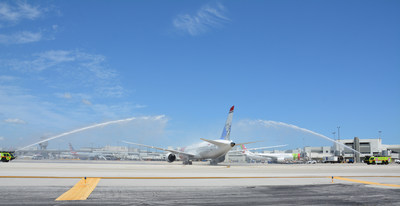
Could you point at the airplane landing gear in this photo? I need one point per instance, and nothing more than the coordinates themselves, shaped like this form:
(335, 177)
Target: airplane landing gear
(213, 162)
(187, 162)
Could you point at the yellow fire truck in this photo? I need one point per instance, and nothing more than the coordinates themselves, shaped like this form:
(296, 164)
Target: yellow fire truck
(384, 160)
(6, 156)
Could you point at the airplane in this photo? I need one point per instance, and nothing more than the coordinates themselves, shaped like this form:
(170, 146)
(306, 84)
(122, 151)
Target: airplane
(276, 157)
(213, 150)
(85, 155)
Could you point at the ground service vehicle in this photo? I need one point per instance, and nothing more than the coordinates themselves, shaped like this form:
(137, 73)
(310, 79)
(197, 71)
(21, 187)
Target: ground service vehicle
(6, 156)
(377, 160)
(333, 159)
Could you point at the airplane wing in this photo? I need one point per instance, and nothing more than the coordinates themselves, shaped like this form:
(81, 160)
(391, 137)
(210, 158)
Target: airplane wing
(267, 147)
(238, 144)
(267, 156)
(236, 151)
(167, 150)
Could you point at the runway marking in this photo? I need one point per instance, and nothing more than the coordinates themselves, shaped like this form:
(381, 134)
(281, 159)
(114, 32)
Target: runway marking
(248, 177)
(177, 178)
(366, 182)
(158, 178)
(81, 190)
(48, 177)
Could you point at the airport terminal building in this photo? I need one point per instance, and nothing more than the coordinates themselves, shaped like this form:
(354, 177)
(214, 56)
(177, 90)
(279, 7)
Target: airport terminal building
(371, 147)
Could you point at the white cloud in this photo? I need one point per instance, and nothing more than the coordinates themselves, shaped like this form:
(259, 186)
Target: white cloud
(96, 64)
(15, 121)
(7, 78)
(20, 38)
(20, 10)
(111, 91)
(14, 12)
(2, 138)
(55, 57)
(206, 18)
(67, 95)
(139, 106)
(40, 62)
(41, 112)
(70, 70)
(87, 102)
(46, 116)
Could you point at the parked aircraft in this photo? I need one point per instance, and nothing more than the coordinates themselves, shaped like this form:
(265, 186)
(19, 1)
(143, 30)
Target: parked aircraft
(85, 155)
(213, 150)
(275, 157)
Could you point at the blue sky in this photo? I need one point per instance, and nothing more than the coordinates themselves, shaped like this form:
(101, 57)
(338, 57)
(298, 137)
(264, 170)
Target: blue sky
(178, 66)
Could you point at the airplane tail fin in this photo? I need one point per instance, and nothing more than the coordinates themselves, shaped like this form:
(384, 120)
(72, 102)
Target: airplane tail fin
(72, 150)
(244, 149)
(226, 132)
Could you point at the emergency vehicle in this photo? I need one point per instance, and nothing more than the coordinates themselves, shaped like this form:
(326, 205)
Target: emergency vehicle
(384, 160)
(6, 156)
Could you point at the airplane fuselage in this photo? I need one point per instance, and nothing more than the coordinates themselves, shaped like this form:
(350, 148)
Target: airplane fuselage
(205, 150)
(278, 157)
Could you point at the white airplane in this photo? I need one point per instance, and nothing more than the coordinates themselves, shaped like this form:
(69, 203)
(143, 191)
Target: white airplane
(85, 155)
(276, 157)
(213, 150)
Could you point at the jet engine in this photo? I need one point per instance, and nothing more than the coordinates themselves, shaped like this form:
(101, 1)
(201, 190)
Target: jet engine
(217, 160)
(171, 157)
(220, 159)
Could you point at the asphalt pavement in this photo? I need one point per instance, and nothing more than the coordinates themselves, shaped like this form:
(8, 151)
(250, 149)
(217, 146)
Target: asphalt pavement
(142, 183)
(329, 194)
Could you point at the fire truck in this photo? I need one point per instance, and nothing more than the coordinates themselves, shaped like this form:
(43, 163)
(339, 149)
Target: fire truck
(383, 160)
(6, 156)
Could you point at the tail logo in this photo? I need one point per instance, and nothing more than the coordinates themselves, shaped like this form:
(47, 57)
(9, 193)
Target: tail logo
(227, 128)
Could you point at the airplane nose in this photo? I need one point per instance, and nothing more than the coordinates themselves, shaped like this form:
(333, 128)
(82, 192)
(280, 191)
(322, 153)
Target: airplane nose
(232, 144)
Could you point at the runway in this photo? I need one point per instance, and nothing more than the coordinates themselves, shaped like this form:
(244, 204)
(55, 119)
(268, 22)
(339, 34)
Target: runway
(150, 183)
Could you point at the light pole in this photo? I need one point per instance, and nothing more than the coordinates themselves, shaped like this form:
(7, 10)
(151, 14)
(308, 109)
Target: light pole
(338, 135)
(335, 145)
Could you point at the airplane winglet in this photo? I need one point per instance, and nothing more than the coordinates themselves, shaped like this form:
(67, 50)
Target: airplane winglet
(232, 108)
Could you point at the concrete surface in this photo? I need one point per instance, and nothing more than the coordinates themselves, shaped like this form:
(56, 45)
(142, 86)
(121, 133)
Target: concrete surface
(254, 184)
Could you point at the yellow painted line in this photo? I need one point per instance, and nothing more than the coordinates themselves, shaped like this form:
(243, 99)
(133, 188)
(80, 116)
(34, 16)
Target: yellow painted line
(370, 176)
(81, 190)
(220, 177)
(177, 178)
(366, 182)
(48, 177)
(158, 178)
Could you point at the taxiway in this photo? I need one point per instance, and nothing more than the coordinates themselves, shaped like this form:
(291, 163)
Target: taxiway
(161, 183)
